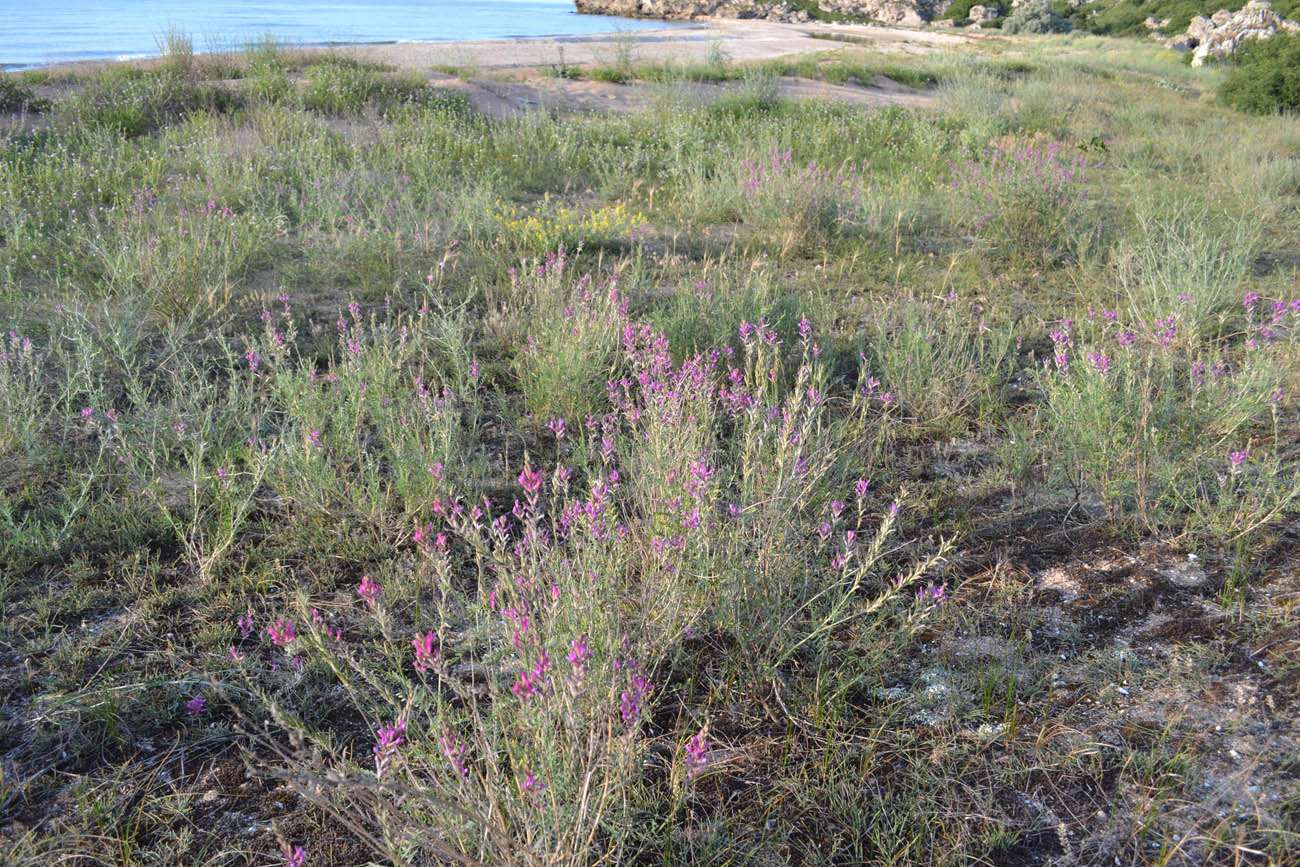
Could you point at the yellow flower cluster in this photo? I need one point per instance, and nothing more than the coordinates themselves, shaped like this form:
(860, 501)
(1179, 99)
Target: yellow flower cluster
(550, 225)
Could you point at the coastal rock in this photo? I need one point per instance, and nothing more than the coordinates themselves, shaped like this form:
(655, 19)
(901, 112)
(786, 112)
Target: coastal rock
(884, 11)
(911, 13)
(1224, 32)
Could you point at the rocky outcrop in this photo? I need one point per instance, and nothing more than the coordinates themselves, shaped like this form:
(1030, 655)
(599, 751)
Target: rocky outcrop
(905, 12)
(1224, 32)
(691, 10)
(981, 14)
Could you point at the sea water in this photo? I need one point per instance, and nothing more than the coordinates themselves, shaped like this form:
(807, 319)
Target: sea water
(38, 32)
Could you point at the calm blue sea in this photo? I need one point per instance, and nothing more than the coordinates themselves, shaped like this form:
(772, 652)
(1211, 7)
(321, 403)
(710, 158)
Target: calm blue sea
(37, 32)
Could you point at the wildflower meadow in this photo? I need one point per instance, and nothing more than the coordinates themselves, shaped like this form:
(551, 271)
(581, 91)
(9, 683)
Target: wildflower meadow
(737, 480)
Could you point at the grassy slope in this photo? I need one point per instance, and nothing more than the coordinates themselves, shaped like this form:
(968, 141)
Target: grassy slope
(217, 415)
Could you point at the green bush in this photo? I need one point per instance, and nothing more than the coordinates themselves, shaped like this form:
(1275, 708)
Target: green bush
(1267, 77)
(343, 87)
(960, 9)
(14, 96)
(1036, 16)
(134, 102)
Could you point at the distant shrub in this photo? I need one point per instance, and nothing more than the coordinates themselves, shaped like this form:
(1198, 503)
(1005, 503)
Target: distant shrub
(960, 9)
(15, 96)
(135, 102)
(841, 72)
(177, 50)
(612, 74)
(1034, 17)
(33, 77)
(1267, 77)
(343, 87)
(757, 95)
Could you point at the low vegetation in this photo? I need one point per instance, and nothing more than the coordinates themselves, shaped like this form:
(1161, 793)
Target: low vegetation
(1036, 17)
(1266, 77)
(1128, 17)
(736, 480)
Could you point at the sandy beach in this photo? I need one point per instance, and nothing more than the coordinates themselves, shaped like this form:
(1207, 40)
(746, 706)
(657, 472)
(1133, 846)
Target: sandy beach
(504, 77)
(740, 40)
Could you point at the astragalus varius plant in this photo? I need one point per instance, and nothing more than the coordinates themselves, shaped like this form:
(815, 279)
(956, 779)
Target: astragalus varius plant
(808, 203)
(1173, 431)
(521, 678)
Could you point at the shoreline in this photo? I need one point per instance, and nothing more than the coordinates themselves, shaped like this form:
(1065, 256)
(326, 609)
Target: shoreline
(743, 40)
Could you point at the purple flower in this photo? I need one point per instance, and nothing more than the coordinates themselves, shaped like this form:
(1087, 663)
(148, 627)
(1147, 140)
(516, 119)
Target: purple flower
(530, 785)
(935, 594)
(525, 686)
(861, 487)
(194, 706)
(281, 632)
(557, 427)
(1238, 458)
(294, 857)
(387, 740)
(369, 590)
(632, 700)
(426, 651)
(579, 654)
(697, 754)
(691, 521)
(455, 753)
(530, 480)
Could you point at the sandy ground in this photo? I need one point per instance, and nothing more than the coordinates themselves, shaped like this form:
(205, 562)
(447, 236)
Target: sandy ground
(740, 40)
(504, 77)
(508, 98)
